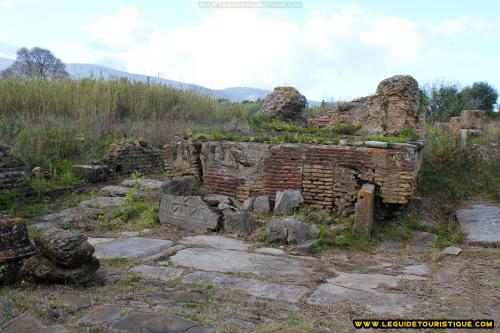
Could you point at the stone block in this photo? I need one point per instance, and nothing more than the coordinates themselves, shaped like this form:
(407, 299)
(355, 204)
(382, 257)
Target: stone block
(238, 223)
(472, 119)
(363, 216)
(261, 204)
(92, 173)
(287, 201)
(190, 212)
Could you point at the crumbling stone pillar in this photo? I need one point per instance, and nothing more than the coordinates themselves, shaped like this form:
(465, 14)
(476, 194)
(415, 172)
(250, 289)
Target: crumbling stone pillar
(363, 216)
(471, 124)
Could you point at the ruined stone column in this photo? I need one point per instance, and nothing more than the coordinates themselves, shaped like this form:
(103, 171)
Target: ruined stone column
(363, 216)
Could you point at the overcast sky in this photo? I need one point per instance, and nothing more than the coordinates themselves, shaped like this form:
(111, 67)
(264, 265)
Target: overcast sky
(327, 49)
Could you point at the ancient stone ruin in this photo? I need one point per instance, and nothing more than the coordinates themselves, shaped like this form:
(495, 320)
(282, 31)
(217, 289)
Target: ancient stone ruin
(328, 176)
(133, 155)
(286, 104)
(394, 107)
(11, 172)
(14, 248)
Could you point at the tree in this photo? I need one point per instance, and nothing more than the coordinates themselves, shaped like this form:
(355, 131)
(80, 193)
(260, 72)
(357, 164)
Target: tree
(444, 101)
(35, 63)
(480, 95)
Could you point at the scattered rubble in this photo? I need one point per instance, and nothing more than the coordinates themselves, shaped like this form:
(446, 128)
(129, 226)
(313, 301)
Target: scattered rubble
(65, 257)
(291, 231)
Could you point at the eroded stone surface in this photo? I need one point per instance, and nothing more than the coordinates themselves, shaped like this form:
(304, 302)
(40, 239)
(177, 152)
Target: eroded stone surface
(420, 270)
(188, 212)
(480, 223)
(220, 260)
(114, 191)
(149, 184)
(133, 247)
(218, 242)
(451, 250)
(27, 323)
(102, 315)
(138, 322)
(74, 303)
(253, 287)
(270, 250)
(160, 273)
(6, 307)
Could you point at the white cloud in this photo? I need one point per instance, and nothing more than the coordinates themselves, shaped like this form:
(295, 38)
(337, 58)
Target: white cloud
(328, 54)
(7, 4)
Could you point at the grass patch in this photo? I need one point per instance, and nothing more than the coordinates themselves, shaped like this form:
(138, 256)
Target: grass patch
(263, 123)
(270, 138)
(329, 238)
(407, 135)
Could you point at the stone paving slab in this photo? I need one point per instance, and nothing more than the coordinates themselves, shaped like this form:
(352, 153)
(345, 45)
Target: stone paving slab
(270, 250)
(102, 315)
(378, 302)
(481, 224)
(160, 273)
(218, 242)
(128, 248)
(366, 289)
(29, 324)
(220, 260)
(138, 322)
(253, 287)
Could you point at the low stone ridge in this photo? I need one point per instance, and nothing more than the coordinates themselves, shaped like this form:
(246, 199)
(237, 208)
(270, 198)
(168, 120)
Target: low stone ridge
(220, 260)
(128, 156)
(128, 248)
(64, 248)
(12, 175)
(291, 231)
(218, 242)
(114, 191)
(143, 184)
(188, 212)
(14, 248)
(287, 201)
(93, 173)
(286, 104)
(258, 288)
(480, 223)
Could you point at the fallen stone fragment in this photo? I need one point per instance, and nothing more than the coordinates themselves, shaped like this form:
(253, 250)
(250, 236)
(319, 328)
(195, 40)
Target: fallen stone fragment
(314, 218)
(259, 288)
(420, 270)
(114, 191)
(480, 224)
(138, 322)
(64, 248)
(159, 273)
(451, 250)
(218, 242)
(291, 231)
(287, 201)
(93, 173)
(40, 269)
(76, 216)
(128, 248)
(102, 202)
(74, 303)
(191, 213)
(261, 204)
(248, 204)
(220, 260)
(183, 186)
(238, 223)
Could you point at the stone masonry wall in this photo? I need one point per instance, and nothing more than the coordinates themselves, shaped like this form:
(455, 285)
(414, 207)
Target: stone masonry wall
(182, 158)
(394, 108)
(133, 155)
(329, 176)
(11, 173)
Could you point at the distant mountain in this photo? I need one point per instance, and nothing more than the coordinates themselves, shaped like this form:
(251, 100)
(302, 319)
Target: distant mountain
(233, 94)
